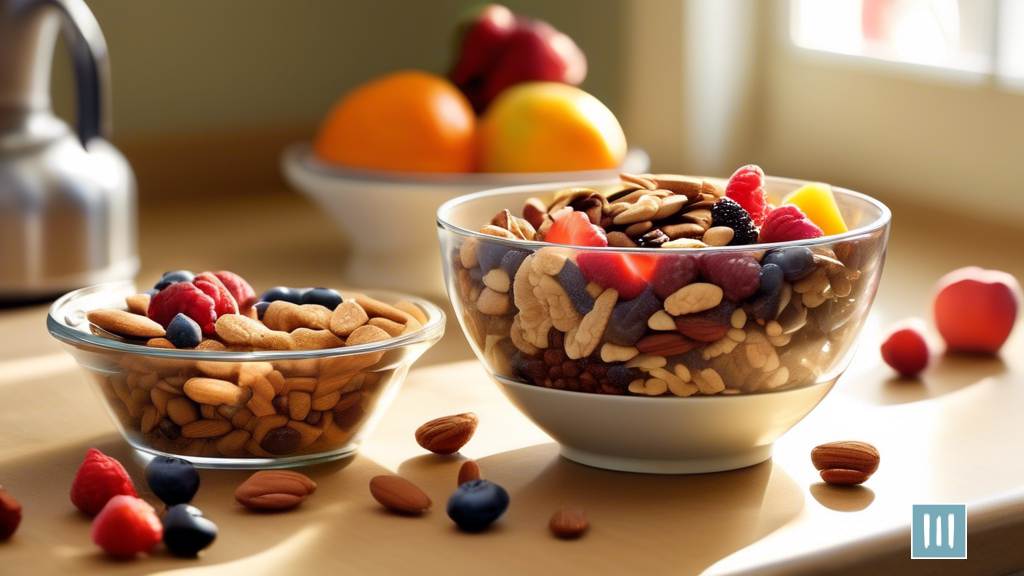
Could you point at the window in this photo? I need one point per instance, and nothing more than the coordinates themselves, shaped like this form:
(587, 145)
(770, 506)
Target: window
(981, 36)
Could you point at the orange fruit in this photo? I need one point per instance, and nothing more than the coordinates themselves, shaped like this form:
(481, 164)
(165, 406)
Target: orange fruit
(549, 127)
(407, 120)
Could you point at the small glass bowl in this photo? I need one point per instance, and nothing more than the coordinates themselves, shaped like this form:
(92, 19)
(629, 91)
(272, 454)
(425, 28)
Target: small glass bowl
(687, 392)
(287, 408)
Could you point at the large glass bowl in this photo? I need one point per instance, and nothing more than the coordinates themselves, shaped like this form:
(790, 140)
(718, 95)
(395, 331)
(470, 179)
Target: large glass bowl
(619, 390)
(287, 408)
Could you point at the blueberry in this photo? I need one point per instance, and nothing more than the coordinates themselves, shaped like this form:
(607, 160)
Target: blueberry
(771, 279)
(173, 480)
(628, 322)
(184, 332)
(186, 532)
(173, 277)
(490, 254)
(575, 285)
(282, 293)
(621, 376)
(322, 296)
(476, 504)
(796, 262)
(261, 308)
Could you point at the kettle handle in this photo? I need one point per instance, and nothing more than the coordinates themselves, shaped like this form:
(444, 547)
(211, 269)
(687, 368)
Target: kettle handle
(92, 67)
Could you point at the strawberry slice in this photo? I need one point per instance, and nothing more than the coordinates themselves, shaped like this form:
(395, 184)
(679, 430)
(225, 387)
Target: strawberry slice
(629, 274)
(573, 228)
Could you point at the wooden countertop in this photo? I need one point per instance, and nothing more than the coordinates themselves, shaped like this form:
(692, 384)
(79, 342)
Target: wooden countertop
(953, 437)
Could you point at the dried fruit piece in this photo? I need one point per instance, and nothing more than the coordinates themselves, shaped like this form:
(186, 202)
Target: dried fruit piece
(628, 322)
(737, 274)
(746, 187)
(99, 479)
(673, 271)
(568, 523)
(727, 213)
(127, 526)
(448, 434)
(398, 494)
(905, 348)
(628, 274)
(787, 223)
(187, 299)
(817, 202)
(573, 228)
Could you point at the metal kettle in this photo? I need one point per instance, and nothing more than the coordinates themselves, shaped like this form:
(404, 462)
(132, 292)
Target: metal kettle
(67, 198)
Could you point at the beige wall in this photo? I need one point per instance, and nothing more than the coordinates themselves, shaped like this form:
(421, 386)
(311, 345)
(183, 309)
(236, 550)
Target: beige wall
(191, 66)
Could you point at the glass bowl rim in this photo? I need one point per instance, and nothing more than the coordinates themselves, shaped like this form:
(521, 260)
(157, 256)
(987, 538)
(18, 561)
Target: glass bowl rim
(885, 216)
(300, 155)
(58, 328)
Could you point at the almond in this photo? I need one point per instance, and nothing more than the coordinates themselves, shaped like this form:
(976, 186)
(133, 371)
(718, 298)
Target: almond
(398, 494)
(844, 477)
(845, 462)
(448, 434)
(665, 344)
(470, 470)
(701, 327)
(846, 454)
(274, 490)
(568, 523)
(124, 323)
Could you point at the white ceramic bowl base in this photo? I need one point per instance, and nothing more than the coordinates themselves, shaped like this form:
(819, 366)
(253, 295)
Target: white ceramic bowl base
(664, 435)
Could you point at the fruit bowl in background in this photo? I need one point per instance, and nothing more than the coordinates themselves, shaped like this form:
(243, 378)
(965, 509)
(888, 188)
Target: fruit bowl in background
(762, 386)
(386, 216)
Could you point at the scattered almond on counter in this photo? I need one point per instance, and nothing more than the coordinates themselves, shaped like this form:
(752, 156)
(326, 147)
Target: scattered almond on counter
(448, 434)
(569, 523)
(846, 462)
(398, 494)
(274, 490)
(470, 470)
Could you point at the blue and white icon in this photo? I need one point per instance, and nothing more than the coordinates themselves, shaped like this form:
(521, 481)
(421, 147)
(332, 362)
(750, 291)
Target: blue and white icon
(939, 531)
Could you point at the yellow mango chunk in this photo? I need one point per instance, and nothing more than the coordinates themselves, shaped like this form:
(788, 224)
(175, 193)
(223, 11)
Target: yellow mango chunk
(817, 202)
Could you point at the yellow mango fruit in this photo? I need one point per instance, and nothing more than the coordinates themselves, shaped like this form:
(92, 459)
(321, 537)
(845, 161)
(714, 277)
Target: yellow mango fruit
(817, 202)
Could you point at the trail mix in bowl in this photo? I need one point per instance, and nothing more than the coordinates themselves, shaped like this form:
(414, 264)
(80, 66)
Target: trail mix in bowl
(246, 409)
(690, 318)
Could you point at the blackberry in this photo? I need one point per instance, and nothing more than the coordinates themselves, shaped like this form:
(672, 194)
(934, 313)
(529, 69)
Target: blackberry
(726, 212)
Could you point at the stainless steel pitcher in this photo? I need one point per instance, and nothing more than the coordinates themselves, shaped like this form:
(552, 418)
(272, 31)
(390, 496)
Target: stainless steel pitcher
(67, 198)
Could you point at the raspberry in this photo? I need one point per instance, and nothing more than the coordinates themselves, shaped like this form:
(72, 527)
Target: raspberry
(127, 526)
(242, 292)
(99, 479)
(787, 223)
(223, 301)
(672, 272)
(726, 212)
(746, 187)
(186, 298)
(738, 275)
(905, 349)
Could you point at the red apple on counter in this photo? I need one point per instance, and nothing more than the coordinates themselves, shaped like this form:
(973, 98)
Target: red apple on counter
(975, 309)
(498, 50)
